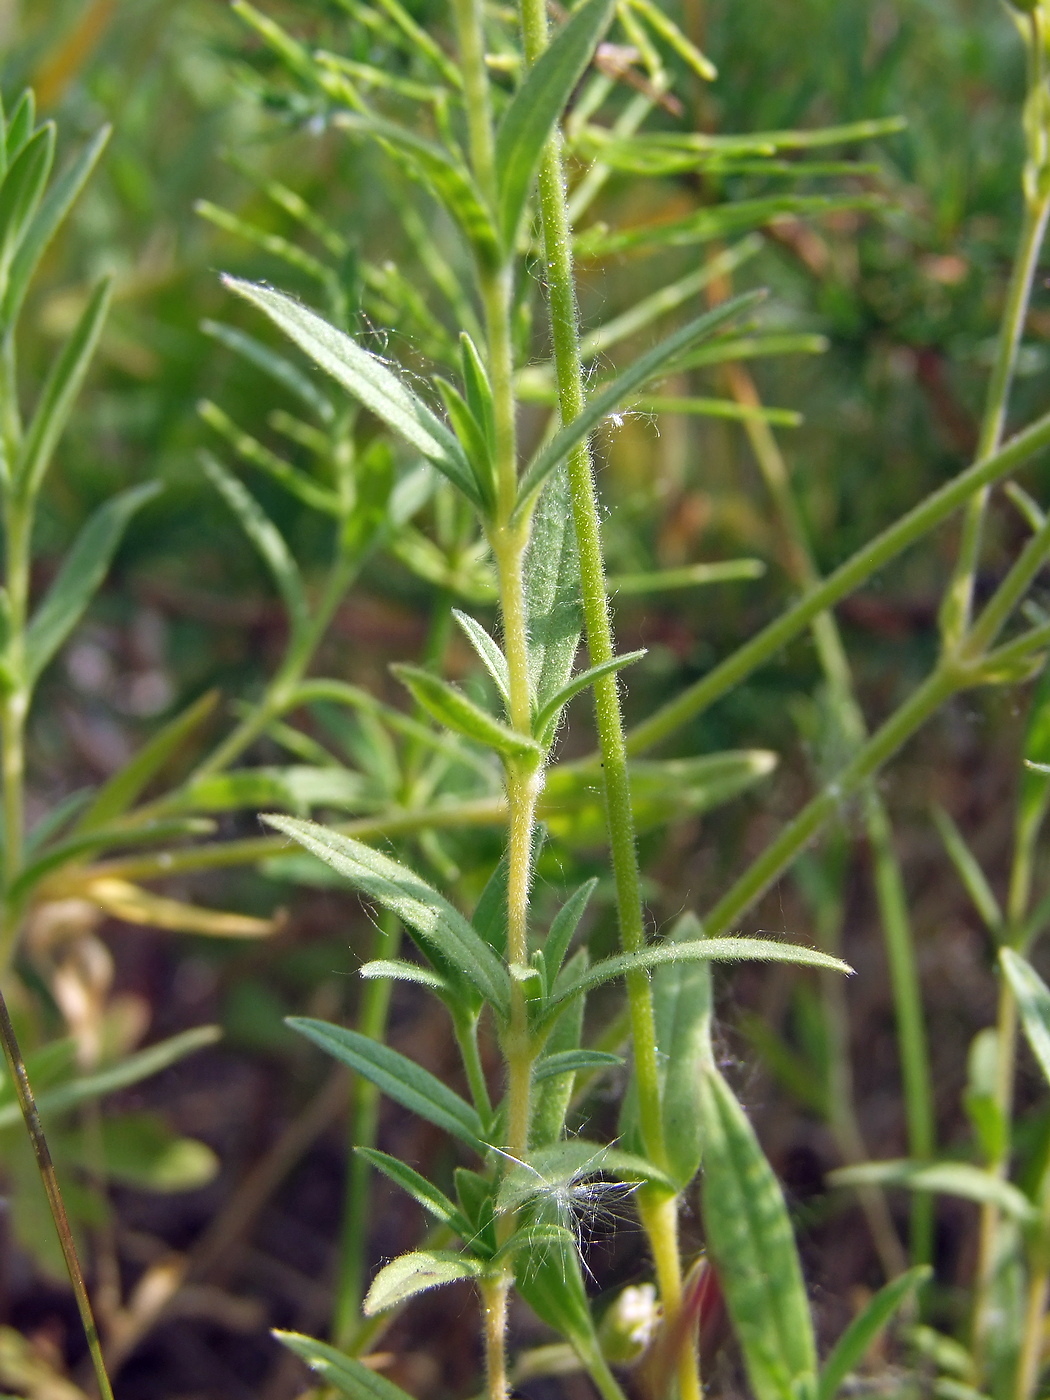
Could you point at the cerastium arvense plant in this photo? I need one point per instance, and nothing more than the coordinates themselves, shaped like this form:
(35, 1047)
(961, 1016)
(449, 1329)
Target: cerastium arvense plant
(517, 519)
(478, 148)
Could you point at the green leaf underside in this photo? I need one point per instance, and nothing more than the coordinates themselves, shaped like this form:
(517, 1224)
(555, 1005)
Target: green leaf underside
(349, 1376)
(419, 1188)
(400, 1078)
(941, 1178)
(80, 576)
(414, 1273)
(645, 368)
(702, 949)
(492, 658)
(369, 381)
(400, 890)
(1033, 1001)
(552, 592)
(682, 1004)
(400, 971)
(851, 1348)
(456, 711)
(751, 1242)
(538, 104)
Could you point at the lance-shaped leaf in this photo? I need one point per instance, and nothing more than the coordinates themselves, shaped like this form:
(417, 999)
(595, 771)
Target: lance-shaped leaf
(563, 927)
(547, 717)
(450, 707)
(476, 386)
(941, 1178)
(21, 192)
(399, 971)
(60, 391)
(115, 797)
(439, 924)
(695, 950)
(80, 576)
(682, 1006)
(420, 1189)
(492, 658)
(369, 381)
(850, 1349)
(20, 124)
(400, 1078)
(278, 367)
(471, 436)
(552, 592)
(345, 1374)
(265, 536)
(299, 787)
(1033, 1000)
(537, 106)
(750, 1240)
(48, 218)
(414, 1273)
(647, 367)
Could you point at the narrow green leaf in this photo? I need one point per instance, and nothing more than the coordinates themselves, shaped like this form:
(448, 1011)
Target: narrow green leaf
(369, 381)
(548, 716)
(941, 1178)
(570, 1061)
(80, 576)
(130, 1070)
(59, 393)
(399, 971)
(750, 1240)
(252, 451)
(669, 31)
(476, 386)
(693, 950)
(851, 1348)
(21, 192)
(682, 1007)
(552, 591)
(346, 1374)
(420, 1189)
(400, 1078)
(438, 923)
(450, 707)
(553, 1097)
(647, 367)
(471, 437)
(491, 656)
(1033, 1001)
(115, 797)
(48, 218)
(414, 1273)
(141, 1150)
(537, 106)
(299, 787)
(974, 880)
(20, 124)
(265, 536)
(563, 927)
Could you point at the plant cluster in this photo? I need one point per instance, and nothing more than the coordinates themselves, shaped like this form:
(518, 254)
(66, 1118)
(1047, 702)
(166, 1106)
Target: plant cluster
(471, 463)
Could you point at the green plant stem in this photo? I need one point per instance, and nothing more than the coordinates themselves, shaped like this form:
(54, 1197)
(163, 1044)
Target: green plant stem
(896, 538)
(889, 884)
(363, 1121)
(660, 1220)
